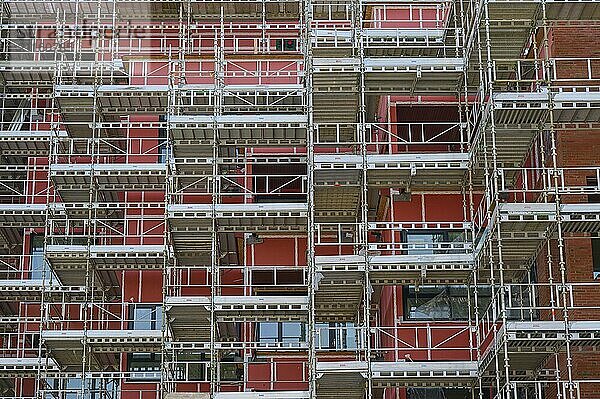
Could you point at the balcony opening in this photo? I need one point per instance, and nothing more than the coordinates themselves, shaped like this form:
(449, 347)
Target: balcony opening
(286, 45)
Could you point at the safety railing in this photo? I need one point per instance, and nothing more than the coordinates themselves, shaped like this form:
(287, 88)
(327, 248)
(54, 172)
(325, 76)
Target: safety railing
(531, 74)
(528, 184)
(392, 138)
(27, 112)
(536, 389)
(344, 236)
(481, 217)
(129, 384)
(260, 177)
(263, 72)
(575, 71)
(26, 184)
(19, 344)
(519, 74)
(396, 238)
(236, 374)
(417, 16)
(339, 337)
(528, 302)
(126, 150)
(121, 227)
(425, 342)
(388, 26)
(279, 95)
(388, 14)
(103, 317)
(15, 268)
(87, 40)
(242, 187)
(420, 238)
(239, 280)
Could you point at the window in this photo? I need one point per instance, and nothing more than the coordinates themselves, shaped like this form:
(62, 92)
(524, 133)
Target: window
(144, 363)
(338, 336)
(145, 317)
(592, 184)
(283, 332)
(162, 141)
(192, 366)
(275, 280)
(277, 183)
(435, 302)
(38, 266)
(286, 44)
(71, 388)
(232, 367)
(596, 256)
(424, 242)
(102, 388)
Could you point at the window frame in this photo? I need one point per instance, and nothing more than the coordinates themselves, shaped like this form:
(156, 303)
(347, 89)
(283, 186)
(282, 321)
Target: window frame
(337, 331)
(154, 366)
(595, 244)
(280, 338)
(484, 292)
(445, 238)
(280, 45)
(155, 320)
(162, 147)
(155, 324)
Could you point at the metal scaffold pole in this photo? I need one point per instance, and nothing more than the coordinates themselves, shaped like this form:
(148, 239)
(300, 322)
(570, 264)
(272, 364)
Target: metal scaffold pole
(564, 290)
(358, 13)
(306, 46)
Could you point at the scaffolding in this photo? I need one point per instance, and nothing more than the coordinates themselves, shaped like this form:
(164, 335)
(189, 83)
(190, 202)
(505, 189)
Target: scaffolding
(160, 143)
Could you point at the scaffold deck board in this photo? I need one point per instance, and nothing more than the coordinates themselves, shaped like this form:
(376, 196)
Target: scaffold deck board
(573, 10)
(231, 128)
(335, 379)
(400, 269)
(241, 217)
(28, 143)
(264, 395)
(25, 366)
(107, 257)
(423, 171)
(336, 203)
(530, 342)
(105, 340)
(33, 289)
(23, 215)
(73, 180)
(435, 373)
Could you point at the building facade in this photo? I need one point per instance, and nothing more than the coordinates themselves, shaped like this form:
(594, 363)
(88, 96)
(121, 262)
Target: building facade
(289, 199)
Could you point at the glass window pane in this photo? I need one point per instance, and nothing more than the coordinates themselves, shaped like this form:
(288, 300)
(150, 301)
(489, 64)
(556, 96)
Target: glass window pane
(38, 263)
(437, 242)
(323, 335)
(268, 332)
(143, 362)
(292, 330)
(428, 303)
(418, 243)
(350, 339)
(596, 256)
(142, 318)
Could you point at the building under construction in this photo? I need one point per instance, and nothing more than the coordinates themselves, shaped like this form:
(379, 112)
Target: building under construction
(300, 199)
